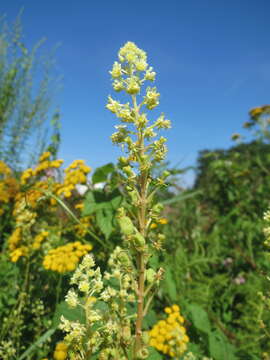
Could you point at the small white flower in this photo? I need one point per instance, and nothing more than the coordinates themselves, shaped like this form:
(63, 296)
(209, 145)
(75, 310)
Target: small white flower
(72, 298)
(84, 286)
(81, 189)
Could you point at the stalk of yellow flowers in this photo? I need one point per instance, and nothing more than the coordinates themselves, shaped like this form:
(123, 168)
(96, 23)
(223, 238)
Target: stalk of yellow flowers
(129, 75)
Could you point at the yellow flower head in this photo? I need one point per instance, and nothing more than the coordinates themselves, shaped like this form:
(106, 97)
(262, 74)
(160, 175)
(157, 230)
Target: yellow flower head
(169, 335)
(60, 352)
(65, 258)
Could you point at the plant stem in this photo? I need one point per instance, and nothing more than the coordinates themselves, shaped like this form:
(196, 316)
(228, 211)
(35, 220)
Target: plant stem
(142, 227)
(139, 320)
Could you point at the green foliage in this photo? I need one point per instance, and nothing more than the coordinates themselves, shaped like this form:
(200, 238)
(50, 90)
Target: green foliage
(26, 92)
(219, 258)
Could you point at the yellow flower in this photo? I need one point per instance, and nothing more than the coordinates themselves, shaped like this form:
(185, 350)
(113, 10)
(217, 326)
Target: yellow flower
(163, 221)
(65, 258)
(175, 308)
(44, 156)
(4, 169)
(60, 352)
(168, 310)
(14, 239)
(255, 111)
(169, 335)
(19, 252)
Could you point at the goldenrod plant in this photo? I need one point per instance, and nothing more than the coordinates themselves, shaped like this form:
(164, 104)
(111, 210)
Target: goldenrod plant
(116, 302)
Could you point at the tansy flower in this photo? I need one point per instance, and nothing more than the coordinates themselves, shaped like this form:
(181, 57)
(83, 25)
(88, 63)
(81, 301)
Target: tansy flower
(60, 352)
(65, 258)
(169, 335)
(162, 221)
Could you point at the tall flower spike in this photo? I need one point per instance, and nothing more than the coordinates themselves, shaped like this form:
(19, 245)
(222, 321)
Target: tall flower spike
(136, 137)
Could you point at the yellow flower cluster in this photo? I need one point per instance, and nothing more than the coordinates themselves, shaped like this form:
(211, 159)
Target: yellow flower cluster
(31, 196)
(39, 238)
(75, 174)
(14, 239)
(65, 258)
(162, 221)
(60, 352)
(16, 248)
(169, 335)
(8, 185)
(4, 169)
(44, 164)
(255, 112)
(81, 229)
(17, 253)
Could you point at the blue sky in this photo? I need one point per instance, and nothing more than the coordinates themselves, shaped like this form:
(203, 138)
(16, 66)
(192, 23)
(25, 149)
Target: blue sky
(212, 59)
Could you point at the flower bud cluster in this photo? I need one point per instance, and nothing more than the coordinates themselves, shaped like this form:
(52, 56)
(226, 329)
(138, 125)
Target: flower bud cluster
(129, 74)
(266, 229)
(130, 233)
(106, 329)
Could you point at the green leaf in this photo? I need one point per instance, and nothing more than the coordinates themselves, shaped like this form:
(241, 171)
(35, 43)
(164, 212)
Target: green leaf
(116, 202)
(199, 318)
(150, 319)
(72, 314)
(154, 354)
(40, 341)
(154, 262)
(89, 204)
(104, 219)
(220, 348)
(101, 173)
(169, 284)
(181, 197)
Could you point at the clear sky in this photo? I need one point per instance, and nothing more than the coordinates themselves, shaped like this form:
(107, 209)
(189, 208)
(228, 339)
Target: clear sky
(212, 59)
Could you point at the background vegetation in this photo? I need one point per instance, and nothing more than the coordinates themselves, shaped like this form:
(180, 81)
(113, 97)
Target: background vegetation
(214, 257)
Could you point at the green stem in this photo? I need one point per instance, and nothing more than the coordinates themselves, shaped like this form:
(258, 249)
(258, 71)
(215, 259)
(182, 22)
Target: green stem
(142, 227)
(58, 288)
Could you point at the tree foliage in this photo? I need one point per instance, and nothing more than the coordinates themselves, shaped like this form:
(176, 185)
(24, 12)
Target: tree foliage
(26, 84)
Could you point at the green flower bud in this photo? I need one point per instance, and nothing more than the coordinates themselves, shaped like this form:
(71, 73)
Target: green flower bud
(161, 237)
(126, 225)
(124, 258)
(138, 240)
(143, 353)
(123, 161)
(145, 337)
(134, 196)
(128, 171)
(150, 275)
(126, 334)
(165, 174)
(157, 208)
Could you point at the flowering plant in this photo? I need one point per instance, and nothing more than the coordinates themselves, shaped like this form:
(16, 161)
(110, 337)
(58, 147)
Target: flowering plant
(116, 303)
